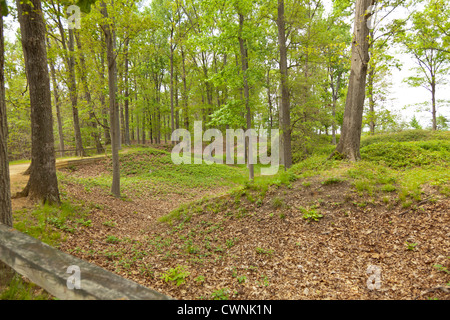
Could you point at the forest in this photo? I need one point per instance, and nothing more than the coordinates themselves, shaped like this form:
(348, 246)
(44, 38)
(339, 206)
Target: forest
(230, 149)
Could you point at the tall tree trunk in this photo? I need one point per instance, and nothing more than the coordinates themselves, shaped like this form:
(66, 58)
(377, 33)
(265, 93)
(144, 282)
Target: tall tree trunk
(269, 100)
(371, 102)
(6, 218)
(285, 113)
(433, 103)
(143, 129)
(74, 96)
(5, 187)
(177, 112)
(185, 93)
(172, 111)
(244, 63)
(113, 105)
(349, 142)
(370, 84)
(127, 96)
(42, 184)
(335, 96)
(57, 103)
(102, 98)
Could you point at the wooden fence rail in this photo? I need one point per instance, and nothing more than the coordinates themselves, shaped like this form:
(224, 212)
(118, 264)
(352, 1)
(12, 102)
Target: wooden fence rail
(65, 276)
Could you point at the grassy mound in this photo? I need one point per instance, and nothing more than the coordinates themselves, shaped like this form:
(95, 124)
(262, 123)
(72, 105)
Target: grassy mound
(405, 136)
(408, 154)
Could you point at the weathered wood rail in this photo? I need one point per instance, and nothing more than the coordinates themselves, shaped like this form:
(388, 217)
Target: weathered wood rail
(48, 268)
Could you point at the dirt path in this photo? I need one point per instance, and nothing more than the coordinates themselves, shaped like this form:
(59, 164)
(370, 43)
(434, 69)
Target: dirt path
(18, 180)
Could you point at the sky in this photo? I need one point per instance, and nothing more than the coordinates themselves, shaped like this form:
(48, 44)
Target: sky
(401, 95)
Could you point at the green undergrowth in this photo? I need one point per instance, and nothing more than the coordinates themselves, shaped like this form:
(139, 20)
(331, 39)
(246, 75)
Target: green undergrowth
(395, 172)
(49, 222)
(151, 169)
(18, 289)
(408, 154)
(405, 136)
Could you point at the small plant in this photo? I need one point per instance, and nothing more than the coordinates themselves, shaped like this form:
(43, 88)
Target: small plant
(388, 188)
(110, 223)
(264, 251)
(311, 214)
(306, 184)
(277, 202)
(86, 223)
(264, 281)
(177, 275)
(282, 216)
(200, 279)
(442, 268)
(112, 239)
(411, 246)
(231, 242)
(332, 180)
(220, 294)
(241, 279)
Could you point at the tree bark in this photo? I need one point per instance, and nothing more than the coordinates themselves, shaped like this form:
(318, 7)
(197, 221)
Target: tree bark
(172, 113)
(127, 95)
(349, 142)
(74, 96)
(113, 105)
(185, 93)
(6, 273)
(433, 103)
(5, 188)
(244, 65)
(42, 184)
(285, 116)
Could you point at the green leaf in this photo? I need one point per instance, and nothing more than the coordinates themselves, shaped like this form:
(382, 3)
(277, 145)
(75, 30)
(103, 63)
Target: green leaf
(3, 8)
(85, 5)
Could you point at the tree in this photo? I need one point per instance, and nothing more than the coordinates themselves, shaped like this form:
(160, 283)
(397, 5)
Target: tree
(5, 190)
(6, 273)
(426, 43)
(442, 123)
(415, 123)
(350, 139)
(43, 183)
(285, 116)
(110, 41)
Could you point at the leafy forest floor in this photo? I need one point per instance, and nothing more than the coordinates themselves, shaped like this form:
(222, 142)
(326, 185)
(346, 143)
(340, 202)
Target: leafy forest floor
(321, 230)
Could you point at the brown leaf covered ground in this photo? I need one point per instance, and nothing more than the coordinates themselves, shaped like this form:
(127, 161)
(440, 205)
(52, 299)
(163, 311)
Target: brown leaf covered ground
(265, 249)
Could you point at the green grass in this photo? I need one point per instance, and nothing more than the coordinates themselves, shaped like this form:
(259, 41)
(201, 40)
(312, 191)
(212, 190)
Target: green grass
(151, 169)
(18, 289)
(405, 136)
(46, 222)
(408, 154)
